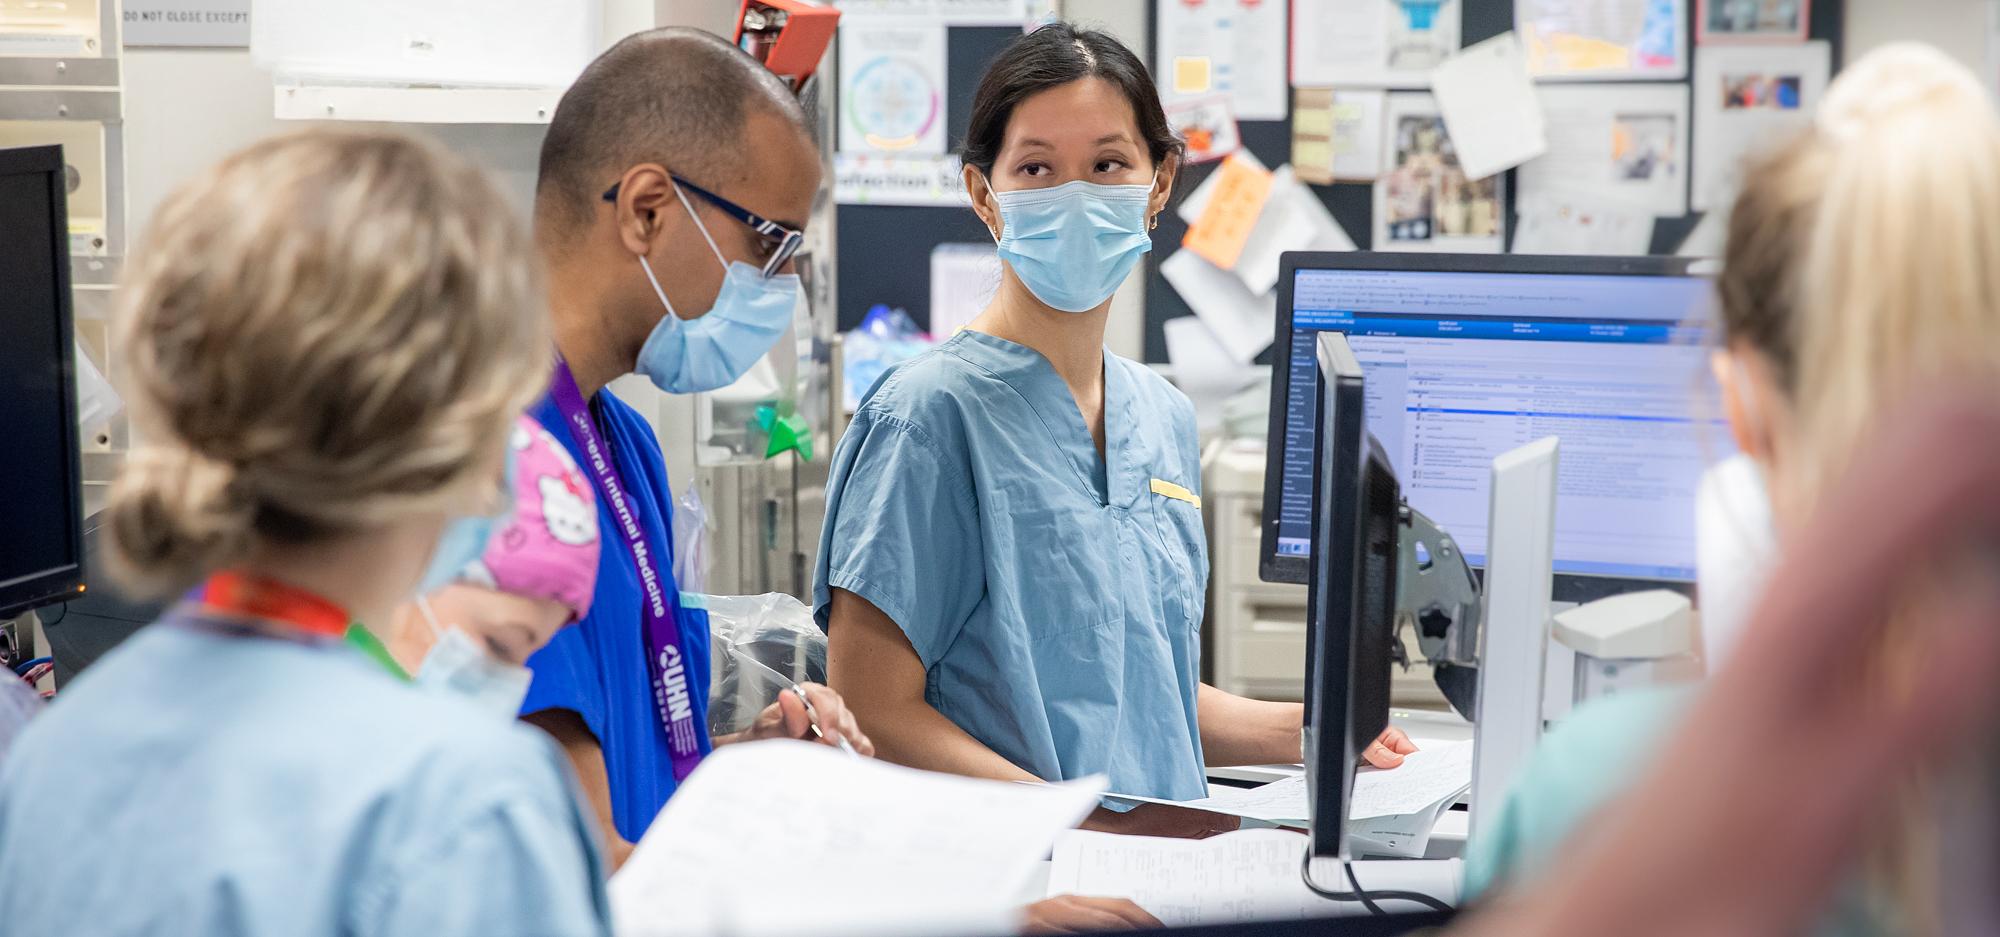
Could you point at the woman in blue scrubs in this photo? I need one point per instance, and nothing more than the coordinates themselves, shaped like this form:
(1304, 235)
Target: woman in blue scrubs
(1013, 565)
(324, 344)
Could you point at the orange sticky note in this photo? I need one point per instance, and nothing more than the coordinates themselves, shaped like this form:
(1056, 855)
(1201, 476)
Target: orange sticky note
(1241, 189)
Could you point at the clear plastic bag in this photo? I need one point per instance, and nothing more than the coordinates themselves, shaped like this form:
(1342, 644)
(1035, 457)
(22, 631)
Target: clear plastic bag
(763, 644)
(887, 337)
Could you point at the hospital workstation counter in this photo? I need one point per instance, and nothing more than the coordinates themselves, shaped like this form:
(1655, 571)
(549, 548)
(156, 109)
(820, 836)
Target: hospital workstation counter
(1413, 488)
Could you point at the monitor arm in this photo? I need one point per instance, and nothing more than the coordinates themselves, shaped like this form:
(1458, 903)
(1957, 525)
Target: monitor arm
(1438, 598)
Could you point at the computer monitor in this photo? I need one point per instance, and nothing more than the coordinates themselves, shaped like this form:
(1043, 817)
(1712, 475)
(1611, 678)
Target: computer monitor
(41, 514)
(1352, 591)
(1471, 356)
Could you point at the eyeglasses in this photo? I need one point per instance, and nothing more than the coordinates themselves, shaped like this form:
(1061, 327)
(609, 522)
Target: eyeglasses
(784, 241)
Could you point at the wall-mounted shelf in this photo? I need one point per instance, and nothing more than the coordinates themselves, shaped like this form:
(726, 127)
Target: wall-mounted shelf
(416, 105)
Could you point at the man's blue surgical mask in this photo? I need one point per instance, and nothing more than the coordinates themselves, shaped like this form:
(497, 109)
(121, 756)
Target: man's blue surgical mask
(689, 356)
(1073, 244)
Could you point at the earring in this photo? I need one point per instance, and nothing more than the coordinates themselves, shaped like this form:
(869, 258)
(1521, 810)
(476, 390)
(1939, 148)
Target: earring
(1153, 223)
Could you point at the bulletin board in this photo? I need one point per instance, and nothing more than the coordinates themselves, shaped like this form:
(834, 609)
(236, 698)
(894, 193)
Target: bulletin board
(883, 252)
(1352, 203)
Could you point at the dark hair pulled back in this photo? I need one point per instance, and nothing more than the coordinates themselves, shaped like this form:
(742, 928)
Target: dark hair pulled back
(1054, 55)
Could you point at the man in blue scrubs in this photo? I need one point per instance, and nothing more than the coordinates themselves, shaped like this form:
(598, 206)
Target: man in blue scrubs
(674, 181)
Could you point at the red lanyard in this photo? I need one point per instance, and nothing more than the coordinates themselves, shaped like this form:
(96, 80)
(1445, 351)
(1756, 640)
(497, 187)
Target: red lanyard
(249, 596)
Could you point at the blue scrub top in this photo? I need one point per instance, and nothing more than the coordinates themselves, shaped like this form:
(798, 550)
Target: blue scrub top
(597, 668)
(1054, 597)
(196, 781)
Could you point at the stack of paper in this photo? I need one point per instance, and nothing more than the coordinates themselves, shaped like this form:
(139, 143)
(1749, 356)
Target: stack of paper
(781, 838)
(1391, 812)
(1249, 876)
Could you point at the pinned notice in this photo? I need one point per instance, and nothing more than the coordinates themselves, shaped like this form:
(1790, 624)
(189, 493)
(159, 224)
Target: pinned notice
(1218, 235)
(1489, 105)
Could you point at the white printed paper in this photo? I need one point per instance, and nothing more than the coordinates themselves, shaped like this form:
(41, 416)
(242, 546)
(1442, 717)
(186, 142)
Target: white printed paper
(1242, 321)
(1206, 126)
(1626, 143)
(1489, 105)
(1257, 86)
(865, 179)
(1371, 43)
(1747, 98)
(1233, 48)
(1555, 222)
(1294, 219)
(892, 88)
(1436, 774)
(860, 847)
(1425, 201)
(1203, 369)
(1603, 39)
(964, 278)
(1236, 878)
(1358, 135)
(1195, 49)
(1426, 777)
(96, 400)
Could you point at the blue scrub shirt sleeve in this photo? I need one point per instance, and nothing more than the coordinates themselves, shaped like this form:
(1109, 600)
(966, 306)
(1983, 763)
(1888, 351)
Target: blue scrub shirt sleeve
(902, 531)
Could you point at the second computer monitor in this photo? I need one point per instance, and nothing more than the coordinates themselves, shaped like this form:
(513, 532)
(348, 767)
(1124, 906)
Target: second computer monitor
(1470, 356)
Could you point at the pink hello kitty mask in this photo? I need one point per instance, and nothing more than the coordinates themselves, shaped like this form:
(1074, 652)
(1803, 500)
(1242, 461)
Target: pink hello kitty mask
(548, 548)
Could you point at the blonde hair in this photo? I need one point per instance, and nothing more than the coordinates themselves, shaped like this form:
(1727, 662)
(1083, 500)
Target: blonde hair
(1863, 258)
(326, 331)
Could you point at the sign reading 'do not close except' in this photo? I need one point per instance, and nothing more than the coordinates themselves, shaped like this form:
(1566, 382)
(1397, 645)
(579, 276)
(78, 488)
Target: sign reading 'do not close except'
(212, 23)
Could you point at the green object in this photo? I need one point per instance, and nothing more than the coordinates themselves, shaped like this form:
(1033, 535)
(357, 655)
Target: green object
(784, 432)
(365, 641)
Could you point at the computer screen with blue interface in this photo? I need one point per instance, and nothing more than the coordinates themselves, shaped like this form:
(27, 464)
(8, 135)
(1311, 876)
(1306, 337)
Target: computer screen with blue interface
(1462, 367)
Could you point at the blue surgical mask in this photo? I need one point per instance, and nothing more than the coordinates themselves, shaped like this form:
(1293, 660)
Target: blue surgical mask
(1073, 244)
(689, 356)
(459, 666)
(463, 541)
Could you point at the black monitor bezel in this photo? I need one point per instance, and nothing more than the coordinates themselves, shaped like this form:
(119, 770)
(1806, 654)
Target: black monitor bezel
(31, 592)
(1357, 506)
(1568, 587)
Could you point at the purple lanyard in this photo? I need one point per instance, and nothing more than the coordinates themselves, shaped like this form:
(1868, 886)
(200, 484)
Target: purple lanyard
(664, 660)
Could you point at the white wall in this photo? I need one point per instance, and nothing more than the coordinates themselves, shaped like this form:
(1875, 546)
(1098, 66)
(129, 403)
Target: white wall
(186, 108)
(1958, 27)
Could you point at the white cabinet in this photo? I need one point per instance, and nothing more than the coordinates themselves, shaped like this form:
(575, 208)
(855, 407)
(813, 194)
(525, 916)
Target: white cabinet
(1257, 630)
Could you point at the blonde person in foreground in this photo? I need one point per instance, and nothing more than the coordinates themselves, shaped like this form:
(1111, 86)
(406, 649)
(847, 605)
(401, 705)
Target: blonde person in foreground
(1863, 257)
(327, 337)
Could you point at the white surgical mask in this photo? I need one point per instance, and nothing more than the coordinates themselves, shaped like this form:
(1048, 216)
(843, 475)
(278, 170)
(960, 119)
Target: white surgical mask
(1735, 545)
(457, 665)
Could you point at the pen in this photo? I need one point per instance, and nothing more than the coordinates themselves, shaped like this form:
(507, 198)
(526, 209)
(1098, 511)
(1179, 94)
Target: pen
(812, 719)
(812, 715)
